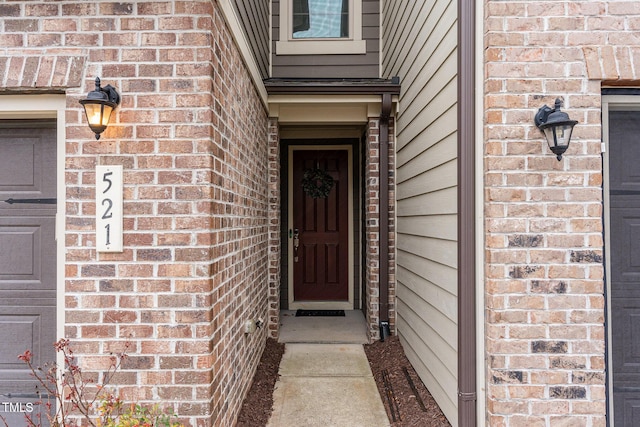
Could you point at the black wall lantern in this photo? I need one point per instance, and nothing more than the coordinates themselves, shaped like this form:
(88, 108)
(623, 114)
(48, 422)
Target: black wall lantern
(98, 106)
(557, 127)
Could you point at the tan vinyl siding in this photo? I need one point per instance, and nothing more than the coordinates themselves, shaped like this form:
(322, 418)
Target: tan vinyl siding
(419, 46)
(254, 17)
(332, 66)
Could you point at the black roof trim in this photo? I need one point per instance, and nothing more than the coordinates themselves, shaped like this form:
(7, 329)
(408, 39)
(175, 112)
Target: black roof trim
(332, 86)
(620, 91)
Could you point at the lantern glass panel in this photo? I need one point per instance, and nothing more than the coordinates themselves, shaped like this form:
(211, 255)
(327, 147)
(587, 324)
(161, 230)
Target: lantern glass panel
(94, 113)
(558, 136)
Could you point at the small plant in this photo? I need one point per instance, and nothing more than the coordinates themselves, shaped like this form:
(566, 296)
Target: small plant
(70, 392)
(112, 414)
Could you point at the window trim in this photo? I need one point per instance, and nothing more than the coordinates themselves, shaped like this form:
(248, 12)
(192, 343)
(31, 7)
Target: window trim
(354, 44)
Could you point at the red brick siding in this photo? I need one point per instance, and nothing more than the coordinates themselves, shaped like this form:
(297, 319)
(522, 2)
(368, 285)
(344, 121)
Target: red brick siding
(191, 132)
(372, 229)
(392, 226)
(545, 337)
(275, 253)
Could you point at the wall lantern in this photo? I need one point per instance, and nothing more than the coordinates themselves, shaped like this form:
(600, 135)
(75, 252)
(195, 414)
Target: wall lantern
(98, 106)
(557, 127)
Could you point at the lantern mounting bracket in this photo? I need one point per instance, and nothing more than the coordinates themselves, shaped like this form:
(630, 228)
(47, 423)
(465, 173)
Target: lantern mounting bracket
(112, 93)
(543, 114)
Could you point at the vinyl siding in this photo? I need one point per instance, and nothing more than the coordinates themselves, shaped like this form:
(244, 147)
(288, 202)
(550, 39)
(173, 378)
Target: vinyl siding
(419, 46)
(332, 66)
(254, 17)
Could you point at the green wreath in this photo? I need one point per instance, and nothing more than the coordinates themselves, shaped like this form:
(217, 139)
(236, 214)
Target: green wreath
(317, 183)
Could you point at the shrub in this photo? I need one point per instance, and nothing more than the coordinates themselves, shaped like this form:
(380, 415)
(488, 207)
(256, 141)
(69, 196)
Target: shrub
(74, 394)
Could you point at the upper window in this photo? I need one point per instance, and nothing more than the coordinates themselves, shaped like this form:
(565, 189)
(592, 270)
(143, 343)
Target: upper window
(316, 27)
(317, 19)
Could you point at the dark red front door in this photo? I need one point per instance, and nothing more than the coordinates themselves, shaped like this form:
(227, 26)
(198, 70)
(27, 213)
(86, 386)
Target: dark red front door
(321, 224)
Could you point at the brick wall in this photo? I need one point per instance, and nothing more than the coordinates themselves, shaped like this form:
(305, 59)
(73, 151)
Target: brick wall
(275, 252)
(191, 133)
(372, 229)
(392, 226)
(544, 247)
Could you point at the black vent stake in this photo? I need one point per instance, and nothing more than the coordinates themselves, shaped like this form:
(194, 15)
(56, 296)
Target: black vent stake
(391, 397)
(414, 389)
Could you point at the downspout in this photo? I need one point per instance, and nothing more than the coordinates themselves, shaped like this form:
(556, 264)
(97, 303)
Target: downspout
(467, 395)
(384, 216)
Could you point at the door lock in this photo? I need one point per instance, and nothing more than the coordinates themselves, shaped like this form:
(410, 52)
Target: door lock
(296, 243)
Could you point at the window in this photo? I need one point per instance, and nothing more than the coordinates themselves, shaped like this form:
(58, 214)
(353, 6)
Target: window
(320, 19)
(316, 27)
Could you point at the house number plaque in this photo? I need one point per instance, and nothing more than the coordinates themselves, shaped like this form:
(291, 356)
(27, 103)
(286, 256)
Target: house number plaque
(109, 208)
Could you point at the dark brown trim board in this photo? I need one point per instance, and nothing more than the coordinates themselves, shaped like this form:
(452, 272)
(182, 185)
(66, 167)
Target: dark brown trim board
(332, 86)
(467, 397)
(384, 214)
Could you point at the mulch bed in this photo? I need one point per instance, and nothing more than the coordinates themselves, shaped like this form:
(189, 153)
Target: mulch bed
(257, 406)
(389, 356)
(385, 356)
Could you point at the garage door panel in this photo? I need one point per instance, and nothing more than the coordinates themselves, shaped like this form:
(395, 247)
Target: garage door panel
(626, 314)
(18, 256)
(27, 330)
(17, 171)
(624, 151)
(627, 406)
(626, 251)
(25, 164)
(25, 263)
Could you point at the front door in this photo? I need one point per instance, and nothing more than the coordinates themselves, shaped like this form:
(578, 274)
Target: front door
(321, 257)
(27, 261)
(624, 219)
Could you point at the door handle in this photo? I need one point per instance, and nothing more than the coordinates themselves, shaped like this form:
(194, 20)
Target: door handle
(296, 244)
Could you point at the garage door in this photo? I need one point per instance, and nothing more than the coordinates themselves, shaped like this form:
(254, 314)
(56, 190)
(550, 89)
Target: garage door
(624, 190)
(27, 259)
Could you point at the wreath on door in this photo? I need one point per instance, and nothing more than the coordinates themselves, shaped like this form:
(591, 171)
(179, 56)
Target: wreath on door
(317, 183)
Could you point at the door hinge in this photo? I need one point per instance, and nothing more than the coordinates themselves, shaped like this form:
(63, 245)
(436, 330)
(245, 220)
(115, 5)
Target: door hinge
(603, 147)
(26, 395)
(32, 201)
(624, 192)
(626, 389)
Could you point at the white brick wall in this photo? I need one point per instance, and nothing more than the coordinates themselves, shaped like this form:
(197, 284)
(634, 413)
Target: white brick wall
(544, 247)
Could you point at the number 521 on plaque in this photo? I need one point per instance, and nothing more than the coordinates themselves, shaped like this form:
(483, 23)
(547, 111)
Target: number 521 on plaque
(109, 208)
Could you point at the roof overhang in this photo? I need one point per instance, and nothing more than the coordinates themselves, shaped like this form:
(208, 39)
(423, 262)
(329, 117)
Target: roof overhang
(332, 86)
(328, 101)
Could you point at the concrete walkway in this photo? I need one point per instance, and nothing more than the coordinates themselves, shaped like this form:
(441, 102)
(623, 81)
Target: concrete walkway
(326, 385)
(350, 329)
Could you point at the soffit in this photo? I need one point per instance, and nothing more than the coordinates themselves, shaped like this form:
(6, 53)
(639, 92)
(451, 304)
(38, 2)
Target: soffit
(342, 101)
